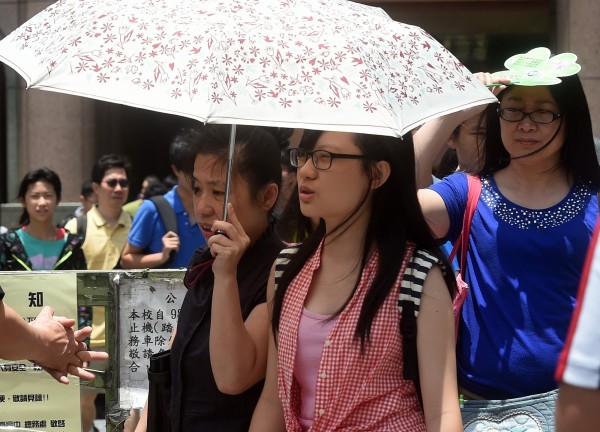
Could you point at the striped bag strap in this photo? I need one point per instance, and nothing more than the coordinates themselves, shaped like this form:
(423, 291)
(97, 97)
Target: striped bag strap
(282, 260)
(409, 303)
(413, 279)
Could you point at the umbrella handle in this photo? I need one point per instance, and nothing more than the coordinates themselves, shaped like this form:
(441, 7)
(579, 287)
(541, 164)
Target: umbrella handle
(228, 181)
(223, 233)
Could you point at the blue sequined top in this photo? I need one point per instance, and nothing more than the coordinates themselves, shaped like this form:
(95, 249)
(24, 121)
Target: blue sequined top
(523, 268)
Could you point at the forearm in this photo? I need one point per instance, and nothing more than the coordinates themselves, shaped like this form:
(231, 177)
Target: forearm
(429, 141)
(577, 409)
(140, 260)
(17, 339)
(233, 351)
(142, 425)
(436, 356)
(449, 421)
(267, 416)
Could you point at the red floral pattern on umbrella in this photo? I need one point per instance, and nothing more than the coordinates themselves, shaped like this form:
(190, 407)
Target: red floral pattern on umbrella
(325, 64)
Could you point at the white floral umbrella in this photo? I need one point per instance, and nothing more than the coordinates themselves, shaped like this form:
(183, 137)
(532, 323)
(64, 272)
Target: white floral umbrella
(314, 64)
(319, 64)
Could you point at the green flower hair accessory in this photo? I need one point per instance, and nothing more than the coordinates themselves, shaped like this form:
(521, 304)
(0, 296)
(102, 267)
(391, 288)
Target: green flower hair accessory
(536, 67)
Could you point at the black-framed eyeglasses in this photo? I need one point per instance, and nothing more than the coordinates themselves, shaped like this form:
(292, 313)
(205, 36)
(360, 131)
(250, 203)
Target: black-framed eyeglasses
(113, 182)
(516, 115)
(321, 159)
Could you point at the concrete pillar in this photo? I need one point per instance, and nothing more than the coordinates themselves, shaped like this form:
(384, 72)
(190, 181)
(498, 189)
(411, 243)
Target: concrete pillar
(577, 32)
(56, 128)
(56, 131)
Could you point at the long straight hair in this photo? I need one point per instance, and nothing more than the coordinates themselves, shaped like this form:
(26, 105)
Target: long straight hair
(396, 218)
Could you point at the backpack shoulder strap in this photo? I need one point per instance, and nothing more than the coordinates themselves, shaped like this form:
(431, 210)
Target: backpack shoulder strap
(82, 227)
(166, 212)
(409, 303)
(14, 250)
(282, 259)
(71, 256)
(411, 286)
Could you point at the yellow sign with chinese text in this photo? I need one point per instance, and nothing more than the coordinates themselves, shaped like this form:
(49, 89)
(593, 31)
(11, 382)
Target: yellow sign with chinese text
(30, 399)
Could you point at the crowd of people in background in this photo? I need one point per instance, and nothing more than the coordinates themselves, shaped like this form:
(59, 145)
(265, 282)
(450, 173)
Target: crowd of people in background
(291, 318)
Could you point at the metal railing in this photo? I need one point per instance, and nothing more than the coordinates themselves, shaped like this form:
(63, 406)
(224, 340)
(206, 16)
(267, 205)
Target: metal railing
(101, 288)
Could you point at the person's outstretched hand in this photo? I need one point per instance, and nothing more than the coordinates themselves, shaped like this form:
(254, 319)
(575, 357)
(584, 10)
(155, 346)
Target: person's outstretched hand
(59, 349)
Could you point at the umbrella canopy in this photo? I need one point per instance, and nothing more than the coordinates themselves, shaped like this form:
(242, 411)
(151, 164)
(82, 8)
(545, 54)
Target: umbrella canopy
(318, 64)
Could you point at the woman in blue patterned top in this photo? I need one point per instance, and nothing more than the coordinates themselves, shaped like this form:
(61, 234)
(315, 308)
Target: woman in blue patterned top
(529, 235)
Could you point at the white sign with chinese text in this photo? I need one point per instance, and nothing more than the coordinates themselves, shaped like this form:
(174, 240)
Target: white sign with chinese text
(148, 313)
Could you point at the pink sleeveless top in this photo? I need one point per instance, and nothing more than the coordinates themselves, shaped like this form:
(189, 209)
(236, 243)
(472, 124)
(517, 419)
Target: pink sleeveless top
(312, 332)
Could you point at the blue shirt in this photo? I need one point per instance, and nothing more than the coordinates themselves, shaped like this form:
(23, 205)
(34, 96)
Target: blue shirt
(148, 229)
(523, 269)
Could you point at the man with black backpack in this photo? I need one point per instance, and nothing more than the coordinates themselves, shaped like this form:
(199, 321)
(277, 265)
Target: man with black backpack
(104, 231)
(164, 233)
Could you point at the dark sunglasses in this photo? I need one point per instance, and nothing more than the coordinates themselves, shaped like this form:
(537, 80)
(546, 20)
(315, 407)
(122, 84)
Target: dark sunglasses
(113, 183)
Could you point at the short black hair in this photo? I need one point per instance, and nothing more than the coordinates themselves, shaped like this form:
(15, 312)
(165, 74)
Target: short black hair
(42, 174)
(86, 188)
(107, 162)
(257, 154)
(182, 148)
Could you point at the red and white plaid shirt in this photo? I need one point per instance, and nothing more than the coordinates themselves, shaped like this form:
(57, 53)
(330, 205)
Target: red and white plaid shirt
(355, 391)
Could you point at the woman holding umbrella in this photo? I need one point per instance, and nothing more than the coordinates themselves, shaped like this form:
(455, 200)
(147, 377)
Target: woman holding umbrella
(336, 355)
(218, 353)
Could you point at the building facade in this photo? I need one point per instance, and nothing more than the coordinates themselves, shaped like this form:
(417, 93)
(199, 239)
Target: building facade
(68, 133)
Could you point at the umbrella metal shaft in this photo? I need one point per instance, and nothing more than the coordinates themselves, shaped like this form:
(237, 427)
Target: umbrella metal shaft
(229, 171)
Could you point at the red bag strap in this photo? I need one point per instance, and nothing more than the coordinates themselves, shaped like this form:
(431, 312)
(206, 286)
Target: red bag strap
(474, 190)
